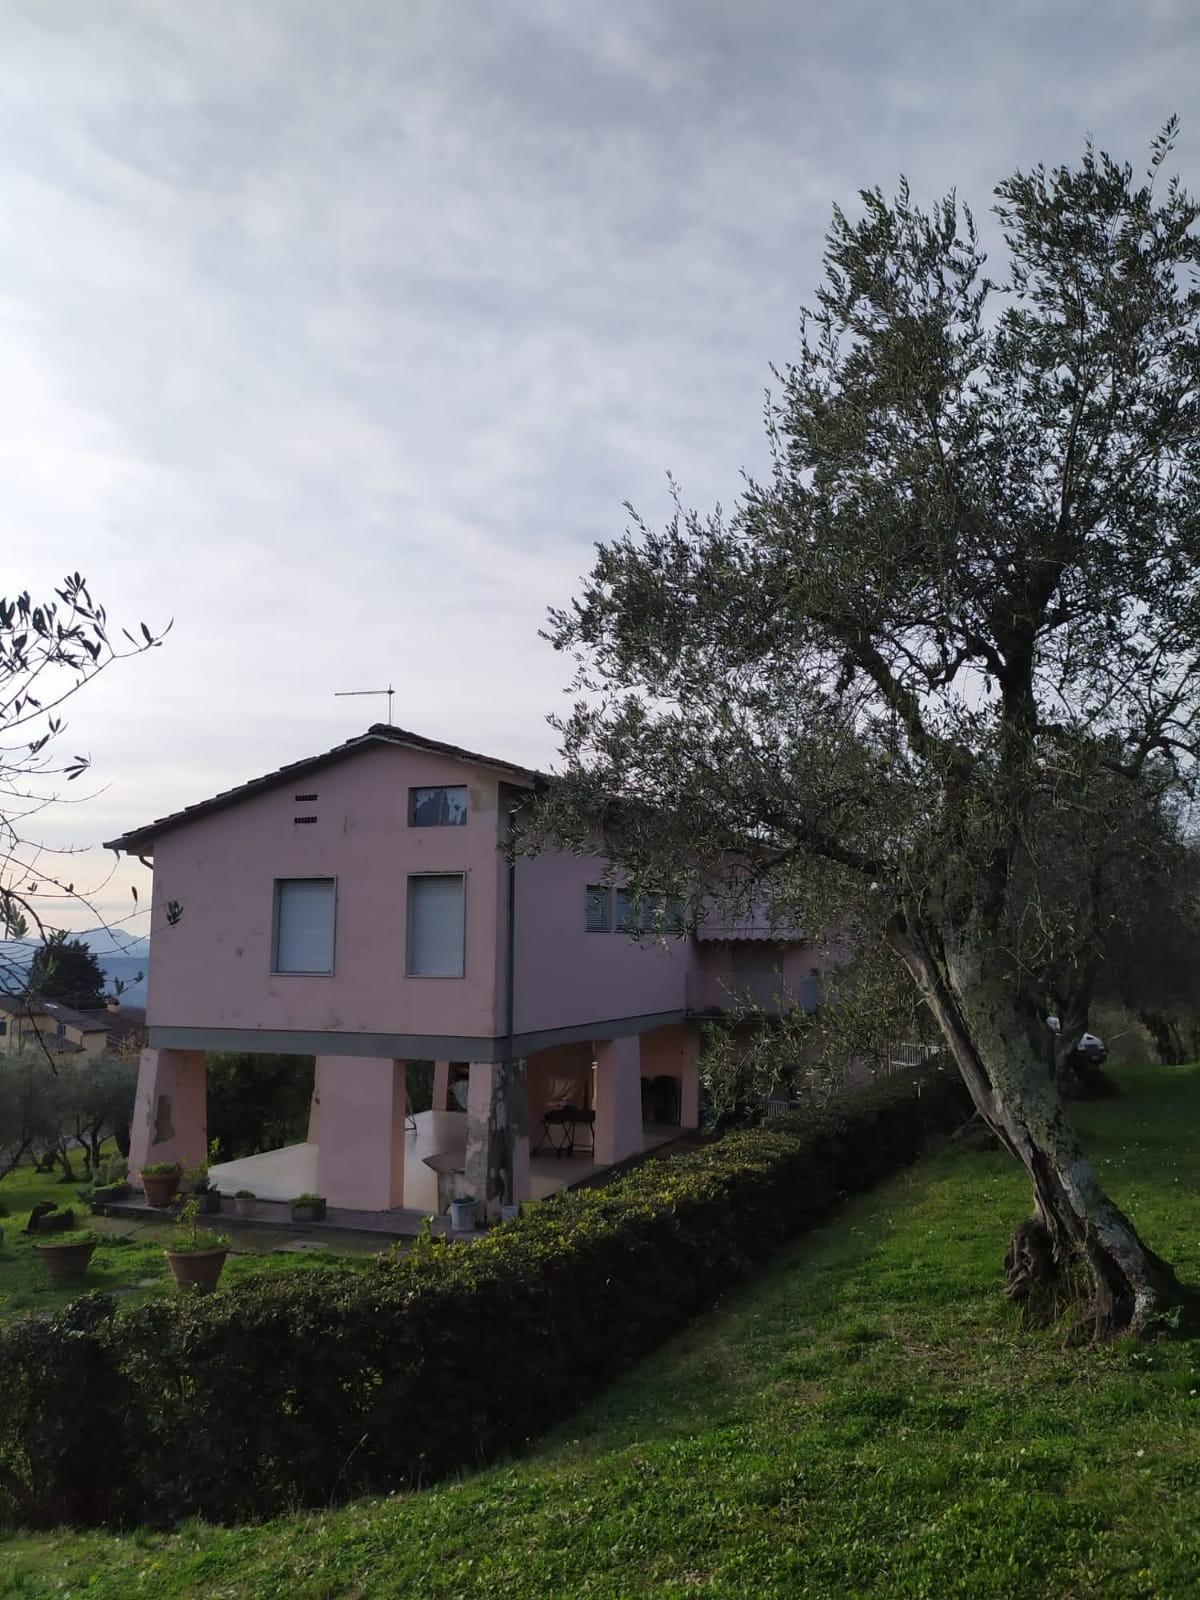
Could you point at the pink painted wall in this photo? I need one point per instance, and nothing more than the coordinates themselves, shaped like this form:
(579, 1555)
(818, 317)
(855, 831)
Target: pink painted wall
(568, 976)
(213, 968)
(724, 972)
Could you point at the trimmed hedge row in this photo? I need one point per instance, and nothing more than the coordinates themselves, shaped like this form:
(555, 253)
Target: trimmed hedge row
(296, 1389)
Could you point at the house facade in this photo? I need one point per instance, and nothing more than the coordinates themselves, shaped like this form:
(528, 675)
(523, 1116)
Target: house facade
(29, 1022)
(359, 907)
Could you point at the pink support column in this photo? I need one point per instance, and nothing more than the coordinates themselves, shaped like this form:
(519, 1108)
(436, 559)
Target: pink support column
(689, 1079)
(441, 1084)
(618, 1100)
(360, 1153)
(170, 1111)
(522, 1188)
(496, 1096)
(314, 1107)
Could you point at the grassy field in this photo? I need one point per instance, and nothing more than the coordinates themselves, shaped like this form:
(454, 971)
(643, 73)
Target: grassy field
(129, 1260)
(867, 1419)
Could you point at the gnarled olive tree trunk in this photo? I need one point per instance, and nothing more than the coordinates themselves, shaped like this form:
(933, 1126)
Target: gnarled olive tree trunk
(967, 987)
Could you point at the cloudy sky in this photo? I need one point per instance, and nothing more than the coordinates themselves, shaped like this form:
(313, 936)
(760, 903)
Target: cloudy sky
(340, 332)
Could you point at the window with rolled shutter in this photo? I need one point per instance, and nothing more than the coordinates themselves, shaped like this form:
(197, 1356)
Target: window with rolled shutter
(598, 908)
(304, 917)
(436, 925)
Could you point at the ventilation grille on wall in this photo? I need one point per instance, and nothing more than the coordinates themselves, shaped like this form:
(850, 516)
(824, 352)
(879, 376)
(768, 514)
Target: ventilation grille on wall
(304, 796)
(303, 819)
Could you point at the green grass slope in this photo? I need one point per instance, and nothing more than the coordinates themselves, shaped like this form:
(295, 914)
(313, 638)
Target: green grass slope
(866, 1419)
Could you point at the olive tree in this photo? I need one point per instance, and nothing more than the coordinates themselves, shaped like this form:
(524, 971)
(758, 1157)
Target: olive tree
(964, 605)
(51, 647)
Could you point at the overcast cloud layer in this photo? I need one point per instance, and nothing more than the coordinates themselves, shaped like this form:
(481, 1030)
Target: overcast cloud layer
(339, 333)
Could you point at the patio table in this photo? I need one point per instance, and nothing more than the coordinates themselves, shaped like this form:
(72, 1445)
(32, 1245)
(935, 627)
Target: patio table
(560, 1125)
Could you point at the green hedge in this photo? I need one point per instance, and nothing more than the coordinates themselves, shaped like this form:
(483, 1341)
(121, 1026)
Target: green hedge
(296, 1389)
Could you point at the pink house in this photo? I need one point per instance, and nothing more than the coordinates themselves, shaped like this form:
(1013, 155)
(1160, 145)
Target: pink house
(358, 907)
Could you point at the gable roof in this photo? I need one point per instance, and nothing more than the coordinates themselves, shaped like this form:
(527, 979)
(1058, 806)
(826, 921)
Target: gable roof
(136, 841)
(32, 1005)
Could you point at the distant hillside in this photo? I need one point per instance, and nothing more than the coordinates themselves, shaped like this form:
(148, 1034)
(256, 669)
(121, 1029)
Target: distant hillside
(121, 958)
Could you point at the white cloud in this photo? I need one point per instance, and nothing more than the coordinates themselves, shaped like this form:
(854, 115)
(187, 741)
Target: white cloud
(340, 333)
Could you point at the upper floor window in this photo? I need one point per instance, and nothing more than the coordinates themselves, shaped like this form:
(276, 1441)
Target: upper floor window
(598, 912)
(438, 808)
(627, 915)
(609, 909)
(436, 925)
(303, 925)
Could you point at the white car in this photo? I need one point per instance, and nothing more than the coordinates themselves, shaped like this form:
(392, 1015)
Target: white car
(1090, 1045)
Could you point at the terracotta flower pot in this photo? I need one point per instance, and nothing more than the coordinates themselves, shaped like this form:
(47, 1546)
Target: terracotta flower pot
(196, 1269)
(66, 1263)
(161, 1187)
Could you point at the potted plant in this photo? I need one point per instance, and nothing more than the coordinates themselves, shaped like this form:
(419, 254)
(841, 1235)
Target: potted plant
(208, 1196)
(59, 1219)
(462, 1214)
(202, 1185)
(195, 1256)
(66, 1256)
(244, 1201)
(308, 1208)
(160, 1180)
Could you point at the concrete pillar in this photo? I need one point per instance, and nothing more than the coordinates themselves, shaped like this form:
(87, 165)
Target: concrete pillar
(441, 1085)
(360, 1153)
(170, 1111)
(689, 1079)
(496, 1092)
(521, 1187)
(618, 1100)
(314, 1106)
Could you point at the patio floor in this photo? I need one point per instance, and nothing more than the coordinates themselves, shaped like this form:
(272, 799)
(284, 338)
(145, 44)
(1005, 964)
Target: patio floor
(277, 1175)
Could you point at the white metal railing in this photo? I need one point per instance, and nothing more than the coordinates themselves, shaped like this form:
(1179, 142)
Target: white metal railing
(908, 1055)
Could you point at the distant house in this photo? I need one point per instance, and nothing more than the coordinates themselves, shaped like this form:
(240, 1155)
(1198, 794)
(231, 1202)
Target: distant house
(31, 1022)
(358, 907)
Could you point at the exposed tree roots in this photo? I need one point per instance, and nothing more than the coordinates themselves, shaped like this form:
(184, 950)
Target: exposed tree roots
(1051, 1284)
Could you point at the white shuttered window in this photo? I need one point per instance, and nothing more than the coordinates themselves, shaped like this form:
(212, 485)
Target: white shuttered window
(435, 926)
(303, 925)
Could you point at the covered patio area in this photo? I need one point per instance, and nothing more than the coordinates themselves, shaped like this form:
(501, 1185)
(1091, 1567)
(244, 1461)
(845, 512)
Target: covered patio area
(561, 1115)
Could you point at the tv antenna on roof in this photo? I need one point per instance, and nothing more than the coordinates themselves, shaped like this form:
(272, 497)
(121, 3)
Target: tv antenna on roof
(342, 694)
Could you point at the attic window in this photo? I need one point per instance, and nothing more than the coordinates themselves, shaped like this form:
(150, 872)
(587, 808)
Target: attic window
(438, 808)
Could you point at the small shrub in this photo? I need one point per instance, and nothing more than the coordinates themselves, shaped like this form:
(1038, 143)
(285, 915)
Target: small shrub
(245, 1194)
(57, 1219)
(162, 1169)
(190, 1238)
(296, 1388)
(108, 1191)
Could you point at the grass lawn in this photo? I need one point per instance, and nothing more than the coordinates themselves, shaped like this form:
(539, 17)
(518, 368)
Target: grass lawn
(129, 1260)
(866, 1419)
